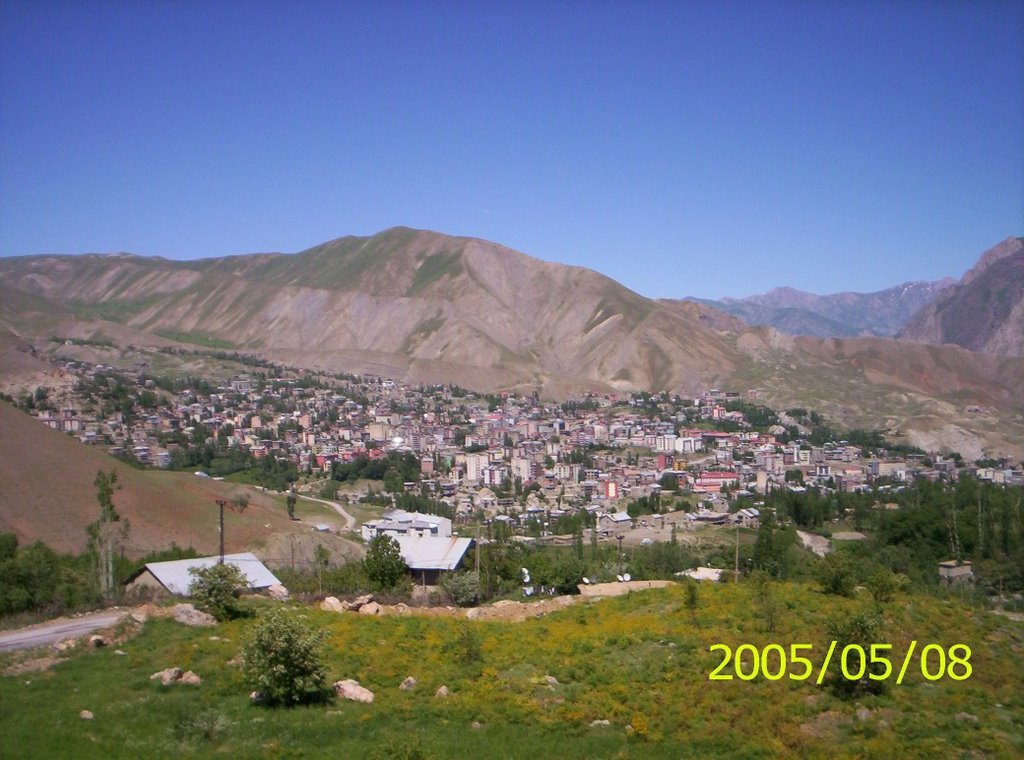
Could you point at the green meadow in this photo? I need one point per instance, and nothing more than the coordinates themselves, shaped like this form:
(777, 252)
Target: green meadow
(640, 662)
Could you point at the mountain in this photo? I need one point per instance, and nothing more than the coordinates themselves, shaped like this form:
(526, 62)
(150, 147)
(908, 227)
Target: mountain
(421, 306)
(984, 311)
(404, 303)
(838, 315)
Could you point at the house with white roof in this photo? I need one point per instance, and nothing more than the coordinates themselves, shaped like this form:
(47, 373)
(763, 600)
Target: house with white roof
(174, 577)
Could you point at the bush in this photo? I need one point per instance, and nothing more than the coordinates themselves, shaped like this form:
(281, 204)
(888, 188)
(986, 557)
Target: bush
(282, 659)
(462, 588)
(862, 628)
(216, 588)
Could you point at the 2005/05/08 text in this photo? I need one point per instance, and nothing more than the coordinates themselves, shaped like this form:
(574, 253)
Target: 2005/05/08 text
(855, 662)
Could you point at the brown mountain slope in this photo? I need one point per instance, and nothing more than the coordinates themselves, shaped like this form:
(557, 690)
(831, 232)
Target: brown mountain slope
(984, 311)
(411, 302)
(47, 493)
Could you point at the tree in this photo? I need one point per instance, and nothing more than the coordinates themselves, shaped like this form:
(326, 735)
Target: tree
(290, 503)
(216, 588)
(692, 599)
(321, 560)
(383, 563)
(282, 660)
(835, 573)
(107, 533)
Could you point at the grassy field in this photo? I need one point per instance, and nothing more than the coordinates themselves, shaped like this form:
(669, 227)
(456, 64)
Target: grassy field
(638, 660)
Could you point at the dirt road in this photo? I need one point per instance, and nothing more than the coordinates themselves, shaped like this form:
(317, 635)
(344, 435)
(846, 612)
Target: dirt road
(350, 521)
(57, 630)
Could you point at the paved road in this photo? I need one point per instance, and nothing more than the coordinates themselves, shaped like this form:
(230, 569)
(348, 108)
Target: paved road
(350, 521)
(58, 630)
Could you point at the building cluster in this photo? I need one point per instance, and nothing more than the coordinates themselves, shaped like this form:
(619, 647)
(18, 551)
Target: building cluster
(509, 456)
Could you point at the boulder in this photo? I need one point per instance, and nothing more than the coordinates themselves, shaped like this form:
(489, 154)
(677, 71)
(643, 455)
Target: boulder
(256, 697)
(96, 641)
(63, 646)
(85, 715)
(167, 676)
(370, 608)
(551, 681)
(331, 604)
(190, 678)
(408, 684)
(189, 615)
(442, 692)
(597, 723)
(278, 592)
(966, 717)
(349, 689)
(358, 602)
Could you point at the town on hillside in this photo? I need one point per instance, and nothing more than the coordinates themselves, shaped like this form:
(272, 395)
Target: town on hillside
(635, 468)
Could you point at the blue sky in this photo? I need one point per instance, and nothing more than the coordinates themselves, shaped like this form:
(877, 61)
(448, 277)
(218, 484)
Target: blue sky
(682, 148)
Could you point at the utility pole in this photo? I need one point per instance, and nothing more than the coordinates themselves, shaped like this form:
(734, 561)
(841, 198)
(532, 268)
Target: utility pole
(619, 537)
(736, 571)
(221, 503)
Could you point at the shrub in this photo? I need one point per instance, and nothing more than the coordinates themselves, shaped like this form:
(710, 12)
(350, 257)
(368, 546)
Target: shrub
(862, 628)
(282, 659)
(462, 588)
(216, 588)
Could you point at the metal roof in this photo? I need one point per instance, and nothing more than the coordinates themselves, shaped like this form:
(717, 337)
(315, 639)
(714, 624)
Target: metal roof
(432, 553)
(175, 576)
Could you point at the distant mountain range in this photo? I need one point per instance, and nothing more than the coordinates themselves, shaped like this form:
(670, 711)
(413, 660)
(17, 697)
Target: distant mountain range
(982, 312)
(840, 315)
(426, 307)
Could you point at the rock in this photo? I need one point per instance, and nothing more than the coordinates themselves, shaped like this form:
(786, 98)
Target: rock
(256, 697)
(408, 683)
(85, 715)
(441, 692)
(96, 641)
(596, 723)
(349, 689)
(167, 677)
(63, 646)
(370, 608)
(863, 714)
(120, 652)
(235, 661)
(190, 678)
(189, 615)
(331, 604)
(965, 716)
(551, 681)
(358, 602)
(476, 724)
(278, 592)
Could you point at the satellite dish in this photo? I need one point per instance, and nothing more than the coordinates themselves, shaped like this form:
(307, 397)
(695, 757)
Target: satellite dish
(626, 577)
(619, 578)
(586, 580)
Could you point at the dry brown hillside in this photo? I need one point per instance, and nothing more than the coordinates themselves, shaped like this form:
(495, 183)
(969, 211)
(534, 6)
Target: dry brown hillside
(47, 493)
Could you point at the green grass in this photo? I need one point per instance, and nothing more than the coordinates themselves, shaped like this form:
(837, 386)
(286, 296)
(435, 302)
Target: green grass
(620, 660)
(435, 267)
(195, 338)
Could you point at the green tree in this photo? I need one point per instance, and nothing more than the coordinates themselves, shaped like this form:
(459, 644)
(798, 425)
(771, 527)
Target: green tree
(692, 599)
(107, 534)
(290, 504)
(321, 560)
(383, 563)
(835, 574)
(393, 481)
(283, 661)
(216, 589)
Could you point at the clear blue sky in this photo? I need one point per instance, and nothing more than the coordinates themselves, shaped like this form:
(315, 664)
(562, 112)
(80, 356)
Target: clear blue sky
(683, 148)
